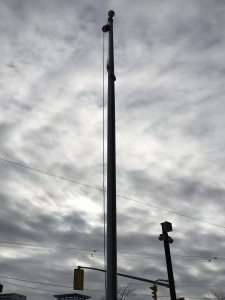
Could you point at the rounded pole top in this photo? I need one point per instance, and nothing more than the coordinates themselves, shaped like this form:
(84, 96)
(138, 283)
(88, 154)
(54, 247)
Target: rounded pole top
(111, 13)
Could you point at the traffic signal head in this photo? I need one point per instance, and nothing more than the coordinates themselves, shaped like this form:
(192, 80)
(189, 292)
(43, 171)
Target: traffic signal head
(78, 279)
(154, 291)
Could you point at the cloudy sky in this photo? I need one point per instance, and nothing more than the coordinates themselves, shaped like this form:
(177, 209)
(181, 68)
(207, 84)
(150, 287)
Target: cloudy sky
(169, 64)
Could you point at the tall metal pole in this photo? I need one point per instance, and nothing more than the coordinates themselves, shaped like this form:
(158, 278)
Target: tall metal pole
(111, 277)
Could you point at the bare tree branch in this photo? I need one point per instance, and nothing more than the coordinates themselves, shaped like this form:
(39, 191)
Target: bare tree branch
(219, 294)
(126, 291)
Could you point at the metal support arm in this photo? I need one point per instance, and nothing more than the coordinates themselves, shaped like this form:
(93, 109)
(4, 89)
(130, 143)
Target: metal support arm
(132, 277)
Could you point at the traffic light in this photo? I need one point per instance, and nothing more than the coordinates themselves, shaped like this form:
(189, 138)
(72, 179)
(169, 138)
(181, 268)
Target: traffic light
(78, 279)
(154, 291)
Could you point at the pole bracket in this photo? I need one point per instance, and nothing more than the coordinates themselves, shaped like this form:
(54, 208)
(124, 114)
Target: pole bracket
(106, 28)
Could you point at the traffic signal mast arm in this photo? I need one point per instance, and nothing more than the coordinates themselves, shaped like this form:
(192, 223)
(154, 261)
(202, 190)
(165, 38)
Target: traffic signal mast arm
(156, 282)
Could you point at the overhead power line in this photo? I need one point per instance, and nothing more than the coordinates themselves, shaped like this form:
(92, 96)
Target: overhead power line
(47, 246)
(44, 283)
(65, 286)
(36, 282)
(171, 211)
(98, 252)
(50, 174)
(26, 287)
(48, 291)
(101, 190)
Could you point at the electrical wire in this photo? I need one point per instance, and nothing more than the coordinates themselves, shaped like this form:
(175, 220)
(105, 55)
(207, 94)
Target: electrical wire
(94, 290)
(170, 211)
(121, 254)
(27, 287)
(44, 283)
(50, 174)
(50, 284)
(36, 282)
(48, 246)
(39, 275)
(100, 189)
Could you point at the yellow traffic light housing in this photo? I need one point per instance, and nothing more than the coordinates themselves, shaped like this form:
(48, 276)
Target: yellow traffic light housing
(154, 291)
(78, 279)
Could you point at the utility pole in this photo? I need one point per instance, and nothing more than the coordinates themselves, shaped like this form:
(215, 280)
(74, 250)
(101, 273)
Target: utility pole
(111, 277)
(167, 227)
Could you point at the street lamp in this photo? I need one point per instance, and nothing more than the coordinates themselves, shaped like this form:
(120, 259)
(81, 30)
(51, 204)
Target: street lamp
(167, 240)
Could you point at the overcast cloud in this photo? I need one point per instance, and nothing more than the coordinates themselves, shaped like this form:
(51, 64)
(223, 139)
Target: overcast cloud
(169, 64)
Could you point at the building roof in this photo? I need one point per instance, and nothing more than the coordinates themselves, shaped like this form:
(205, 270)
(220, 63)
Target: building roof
(12, 294)
(71, 296)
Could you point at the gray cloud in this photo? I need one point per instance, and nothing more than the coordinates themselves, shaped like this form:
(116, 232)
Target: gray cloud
(170, 123)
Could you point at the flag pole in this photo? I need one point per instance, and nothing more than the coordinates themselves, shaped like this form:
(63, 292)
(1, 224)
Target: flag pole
(111, 277)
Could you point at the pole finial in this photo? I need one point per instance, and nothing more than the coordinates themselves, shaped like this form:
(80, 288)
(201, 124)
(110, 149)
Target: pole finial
(111, 13)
